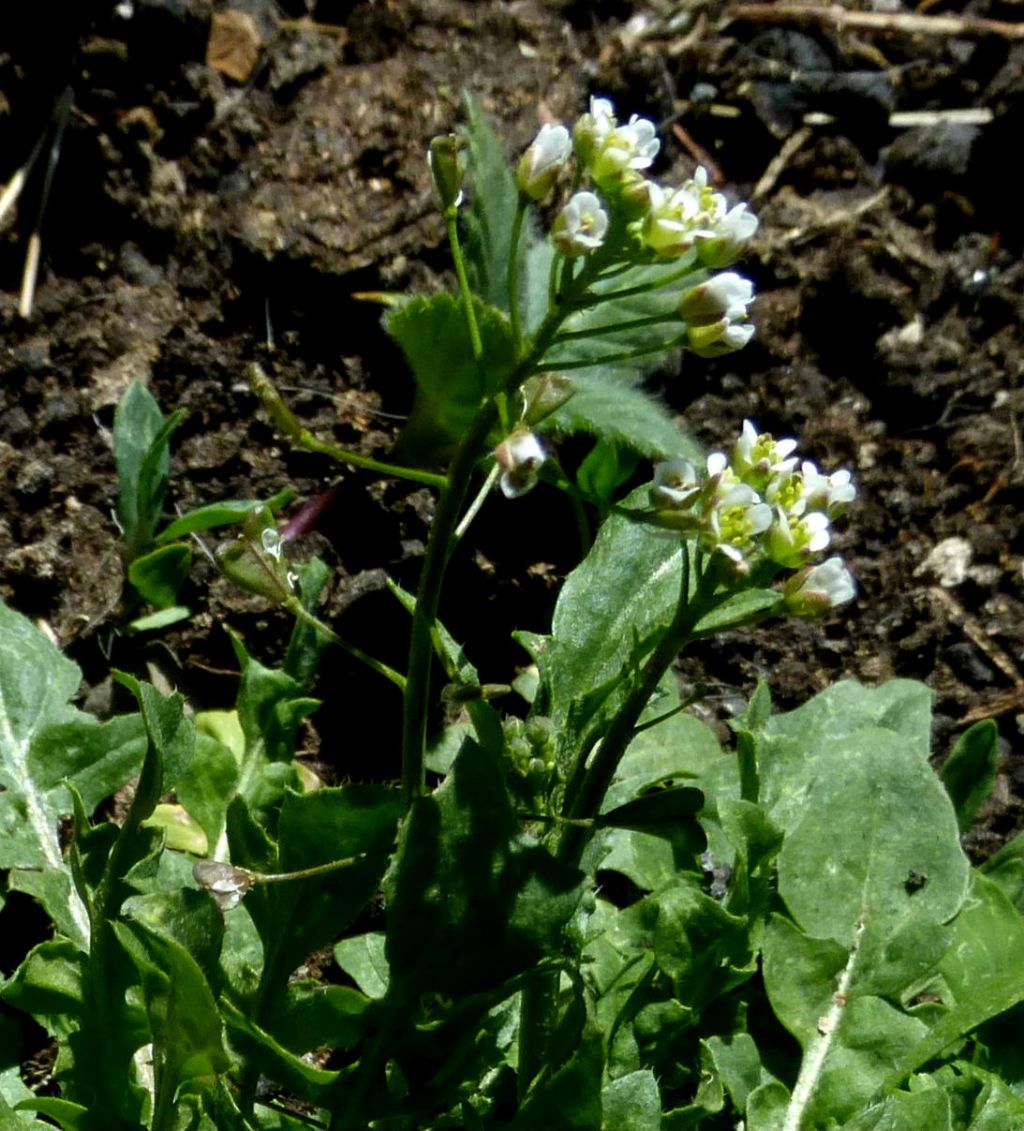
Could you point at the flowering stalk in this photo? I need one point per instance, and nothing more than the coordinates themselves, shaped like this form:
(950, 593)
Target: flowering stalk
(442, 535)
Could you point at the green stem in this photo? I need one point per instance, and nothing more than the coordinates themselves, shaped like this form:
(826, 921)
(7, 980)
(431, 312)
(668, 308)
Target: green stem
(308, 873)
(288, 423)
(451, 223)
(439, 546)
(591, 782)
(616, 327)
(699, 275)
(513, 272)
(627, 355)
(298, 610)
(307, 441)
(474, 507)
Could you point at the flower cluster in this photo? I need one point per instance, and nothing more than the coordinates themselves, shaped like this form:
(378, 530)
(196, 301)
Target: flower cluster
(760, 504)
(615, 204)
(665, 222)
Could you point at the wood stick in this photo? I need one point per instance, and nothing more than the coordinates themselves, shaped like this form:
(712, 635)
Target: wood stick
(912, 23)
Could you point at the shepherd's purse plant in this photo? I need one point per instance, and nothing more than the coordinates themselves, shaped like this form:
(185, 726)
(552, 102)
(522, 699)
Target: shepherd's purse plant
(577, 910)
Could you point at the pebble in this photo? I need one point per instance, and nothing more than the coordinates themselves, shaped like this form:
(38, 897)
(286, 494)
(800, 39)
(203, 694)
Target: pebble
(948, 562)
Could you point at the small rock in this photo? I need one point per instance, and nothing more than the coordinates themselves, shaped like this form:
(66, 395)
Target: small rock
(948, 562)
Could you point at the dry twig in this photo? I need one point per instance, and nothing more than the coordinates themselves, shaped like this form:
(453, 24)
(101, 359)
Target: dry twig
(842, 19)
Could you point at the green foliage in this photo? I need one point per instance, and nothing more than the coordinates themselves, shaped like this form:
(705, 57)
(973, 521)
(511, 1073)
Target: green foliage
(450, 382)
(157, 562)
(600, 917)
(970, 771)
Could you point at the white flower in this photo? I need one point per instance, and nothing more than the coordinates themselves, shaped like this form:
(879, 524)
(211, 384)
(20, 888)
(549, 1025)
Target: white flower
(758, 457)
(672, 221)
(725, 295)
(732, 229)
(734, 523)
(581, 226)
(791, 543)
(820, 588)
(541, 163)
(829, 493)
(624, 150)
(675, 484)
(614, 154)
(520, 456)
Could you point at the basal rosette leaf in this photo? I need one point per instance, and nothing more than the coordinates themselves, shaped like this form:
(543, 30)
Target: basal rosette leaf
(43, 743)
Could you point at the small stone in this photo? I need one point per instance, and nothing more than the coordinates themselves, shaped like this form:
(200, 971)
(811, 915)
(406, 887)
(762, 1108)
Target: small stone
(948, 562)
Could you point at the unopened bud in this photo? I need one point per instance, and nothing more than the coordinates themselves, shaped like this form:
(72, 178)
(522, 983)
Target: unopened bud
(444, 159)
(544, 394)
(520, 457)
(543, 161)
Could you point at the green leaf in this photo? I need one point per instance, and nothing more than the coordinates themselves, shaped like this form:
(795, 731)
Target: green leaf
(874, 823)
(95, 758)
(214, 515)
(983, 970)
(970, 771)
(680, 748)
(70, 1116)
(310, 1015)
(569, 1099)
(492, 208)
(766, 1107)
(632, 1103)
(273, 1059)
(306, 644)
(1006, 868)
(745, 607)
(183, 1016)
(668, 813)
(159, 574)
(160, 619)
(207, 787)
(142, 454)
(906, 1111)
(611, 407)
(170, 731)
(738, 1063)
(607, 466)
(700, 946)
(600, 345)
(48, 986)
(472, 900)
(36, 682)
(364, 959)
(609, 615)
(450, 384)
(798, 747)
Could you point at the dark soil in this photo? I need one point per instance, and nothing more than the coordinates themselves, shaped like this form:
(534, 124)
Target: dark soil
(198, 222)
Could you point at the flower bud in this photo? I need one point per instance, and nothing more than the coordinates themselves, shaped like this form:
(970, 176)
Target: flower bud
(520, 457)
(820, 588)
(444, 160)
(544, 394)
(725, 295)
(717, 338)
(592, 128)
(543, 161)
